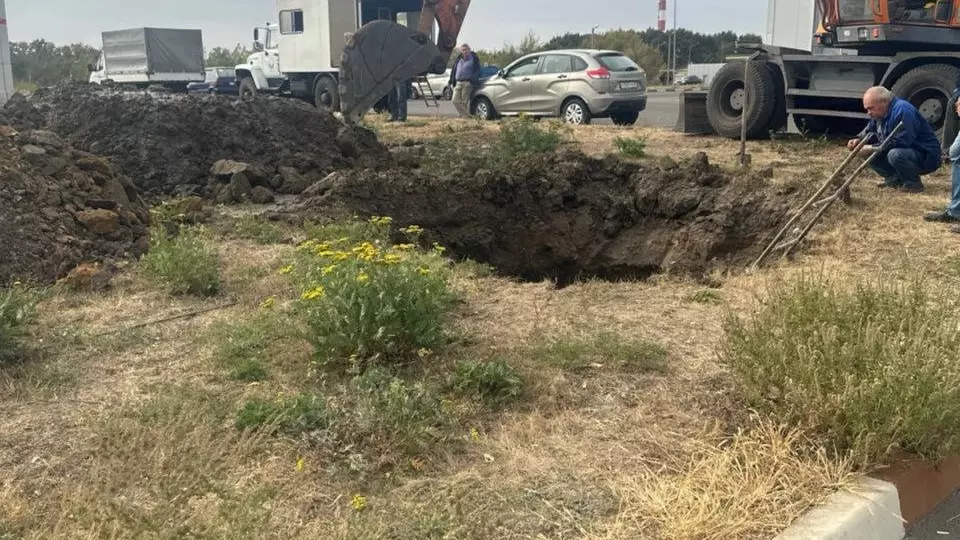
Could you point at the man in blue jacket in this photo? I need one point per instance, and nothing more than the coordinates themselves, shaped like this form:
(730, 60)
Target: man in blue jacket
(915, 151)
(464, 78)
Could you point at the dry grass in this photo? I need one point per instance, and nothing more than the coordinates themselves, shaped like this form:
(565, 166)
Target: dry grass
(130, 434)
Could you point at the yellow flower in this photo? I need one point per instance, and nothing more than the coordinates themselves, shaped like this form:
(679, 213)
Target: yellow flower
(307, 245)
(313, 294)
(404, 247)
(300, 463)
(268, 303)
(423, 353)
(286, 269)
(325, 253)
(359, 502)
(362, 277)
(413, 229)
(327, 270)
(423, 271)
(341, 256)
(381, 220)
(391, 258)
(438, 248)
(474, 434)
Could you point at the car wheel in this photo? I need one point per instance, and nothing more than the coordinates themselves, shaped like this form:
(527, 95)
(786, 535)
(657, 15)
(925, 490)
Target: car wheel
(625, 118)
(576, 112)
(483, 109)
(415, 93)
(248, 88)
(447, 93)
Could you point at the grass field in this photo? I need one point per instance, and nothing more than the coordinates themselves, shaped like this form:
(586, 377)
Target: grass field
(656, 409)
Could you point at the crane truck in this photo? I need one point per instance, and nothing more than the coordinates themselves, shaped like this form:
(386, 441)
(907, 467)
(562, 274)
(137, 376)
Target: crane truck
(911, 47)
(6, 69)
(346, 55)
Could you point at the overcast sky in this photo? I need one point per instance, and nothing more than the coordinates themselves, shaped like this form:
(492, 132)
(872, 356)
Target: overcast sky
(490, 23)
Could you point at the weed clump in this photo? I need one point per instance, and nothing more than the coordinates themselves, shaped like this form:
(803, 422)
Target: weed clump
(493, 382)
(631, 147)
(184, 263)
(603, 349)
(522, 135)
(17, 310)
(372, 302)
(871, 369)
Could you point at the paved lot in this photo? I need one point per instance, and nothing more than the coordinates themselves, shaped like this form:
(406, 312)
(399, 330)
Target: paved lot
(942, 524)
(662, 110)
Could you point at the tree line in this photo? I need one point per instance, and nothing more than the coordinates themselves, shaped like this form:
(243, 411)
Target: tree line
(42, 63)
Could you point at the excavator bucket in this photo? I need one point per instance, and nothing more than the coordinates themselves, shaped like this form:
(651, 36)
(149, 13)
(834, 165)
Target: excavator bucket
(693, 113)
(377, 57)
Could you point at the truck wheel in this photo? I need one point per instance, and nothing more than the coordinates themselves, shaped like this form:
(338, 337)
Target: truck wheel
(778, 119)
(447, 93)
(248, 89)
(326, 95)
(929, 88)
(625, 118)
(727, 97)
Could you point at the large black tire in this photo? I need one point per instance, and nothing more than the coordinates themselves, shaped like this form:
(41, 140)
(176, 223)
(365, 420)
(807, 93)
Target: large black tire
(778, 120)
(326, 95)
(248, 88)
(725, 100)
(929, 88)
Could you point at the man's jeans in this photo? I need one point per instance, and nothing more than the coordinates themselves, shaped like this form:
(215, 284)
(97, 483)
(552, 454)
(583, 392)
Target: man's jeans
(903, 166)
(462, 93)
(954, 207)
(398, 101)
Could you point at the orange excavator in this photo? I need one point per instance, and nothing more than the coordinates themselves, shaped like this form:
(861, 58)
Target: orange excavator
(382, 54)
(911, 47)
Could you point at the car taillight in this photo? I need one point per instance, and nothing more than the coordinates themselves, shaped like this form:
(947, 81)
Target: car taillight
(599, 73)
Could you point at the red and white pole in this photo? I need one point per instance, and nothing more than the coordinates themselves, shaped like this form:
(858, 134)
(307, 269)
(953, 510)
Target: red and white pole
(662, 15)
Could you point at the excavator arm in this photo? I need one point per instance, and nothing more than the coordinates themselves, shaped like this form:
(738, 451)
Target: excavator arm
(382, 54)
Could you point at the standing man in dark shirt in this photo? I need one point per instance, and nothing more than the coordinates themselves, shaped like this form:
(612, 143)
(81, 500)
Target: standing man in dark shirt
(464, 78)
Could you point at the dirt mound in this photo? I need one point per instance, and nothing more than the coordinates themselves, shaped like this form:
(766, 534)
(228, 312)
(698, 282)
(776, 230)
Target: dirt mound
(167, 143)
(569, 216)
(60, 207)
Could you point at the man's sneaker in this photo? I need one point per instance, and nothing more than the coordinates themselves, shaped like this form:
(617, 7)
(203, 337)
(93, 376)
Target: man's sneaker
(941, 217)
(888, 183)
(911, 188)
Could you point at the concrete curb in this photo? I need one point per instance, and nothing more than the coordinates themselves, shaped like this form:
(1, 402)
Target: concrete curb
(869, 510)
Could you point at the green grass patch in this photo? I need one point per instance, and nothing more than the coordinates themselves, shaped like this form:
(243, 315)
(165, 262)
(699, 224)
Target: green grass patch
(241, 347)
(290, 416)
(869, 368)
(259, 230)
(522, 135)
(184, 263)
(17, 311)
(631, 147)
(705, 296)
(494, 382)
(604, 350)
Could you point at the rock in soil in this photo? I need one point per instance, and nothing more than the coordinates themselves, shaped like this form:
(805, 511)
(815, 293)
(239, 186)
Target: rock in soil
(568, 216)
(170, 144)
(63, 207)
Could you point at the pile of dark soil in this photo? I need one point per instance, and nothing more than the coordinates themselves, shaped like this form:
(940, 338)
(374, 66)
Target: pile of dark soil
(168, 143)
(60, 207)
(567, 216)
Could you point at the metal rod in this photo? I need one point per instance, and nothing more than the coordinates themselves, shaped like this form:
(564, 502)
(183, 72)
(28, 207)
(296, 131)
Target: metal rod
(845, 186)
(813, 199)
(743, 111)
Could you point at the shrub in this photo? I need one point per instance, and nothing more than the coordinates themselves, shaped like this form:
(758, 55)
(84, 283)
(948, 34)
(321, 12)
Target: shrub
(185, 263)
(17, 310)
(493, 382)
(634, 147)
(523, 136)
(369, 302)
(870, 368)
(290, 416)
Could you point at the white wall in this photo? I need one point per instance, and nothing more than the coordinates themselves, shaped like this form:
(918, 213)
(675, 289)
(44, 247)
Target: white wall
(6, 72)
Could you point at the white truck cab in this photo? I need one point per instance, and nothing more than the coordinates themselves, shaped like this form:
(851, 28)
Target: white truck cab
(262, 68)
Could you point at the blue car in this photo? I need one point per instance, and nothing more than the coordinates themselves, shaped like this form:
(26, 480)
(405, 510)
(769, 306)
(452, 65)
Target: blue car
(488, 71)
(219, 80)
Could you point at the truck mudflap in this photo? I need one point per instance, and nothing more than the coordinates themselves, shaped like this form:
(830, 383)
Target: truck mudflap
(377, 57)
(693, 117)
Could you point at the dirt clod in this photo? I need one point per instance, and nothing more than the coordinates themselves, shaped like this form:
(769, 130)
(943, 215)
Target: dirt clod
(60, 207)
(568, 216)
(171, 144)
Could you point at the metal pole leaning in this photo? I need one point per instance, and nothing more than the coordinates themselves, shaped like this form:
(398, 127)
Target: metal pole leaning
(813, 198)
(830, 200)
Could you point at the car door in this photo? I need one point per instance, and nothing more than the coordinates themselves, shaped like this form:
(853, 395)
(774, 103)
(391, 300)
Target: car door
(551, 83)
(510, 93)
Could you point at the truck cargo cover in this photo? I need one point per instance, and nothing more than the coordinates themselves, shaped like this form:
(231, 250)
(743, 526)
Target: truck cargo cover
(153, 50)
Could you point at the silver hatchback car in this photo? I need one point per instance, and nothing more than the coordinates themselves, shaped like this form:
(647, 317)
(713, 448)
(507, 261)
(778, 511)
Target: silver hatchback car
(576, 85)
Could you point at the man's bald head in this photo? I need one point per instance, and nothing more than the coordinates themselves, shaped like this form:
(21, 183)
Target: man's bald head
(876, 100)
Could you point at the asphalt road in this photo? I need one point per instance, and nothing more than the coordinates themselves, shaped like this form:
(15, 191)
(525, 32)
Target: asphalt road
(662, 110)
(941, 524)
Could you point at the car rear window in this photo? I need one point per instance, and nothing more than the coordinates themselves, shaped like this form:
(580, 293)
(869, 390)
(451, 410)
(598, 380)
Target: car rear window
(225, 73)
(617, 62)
